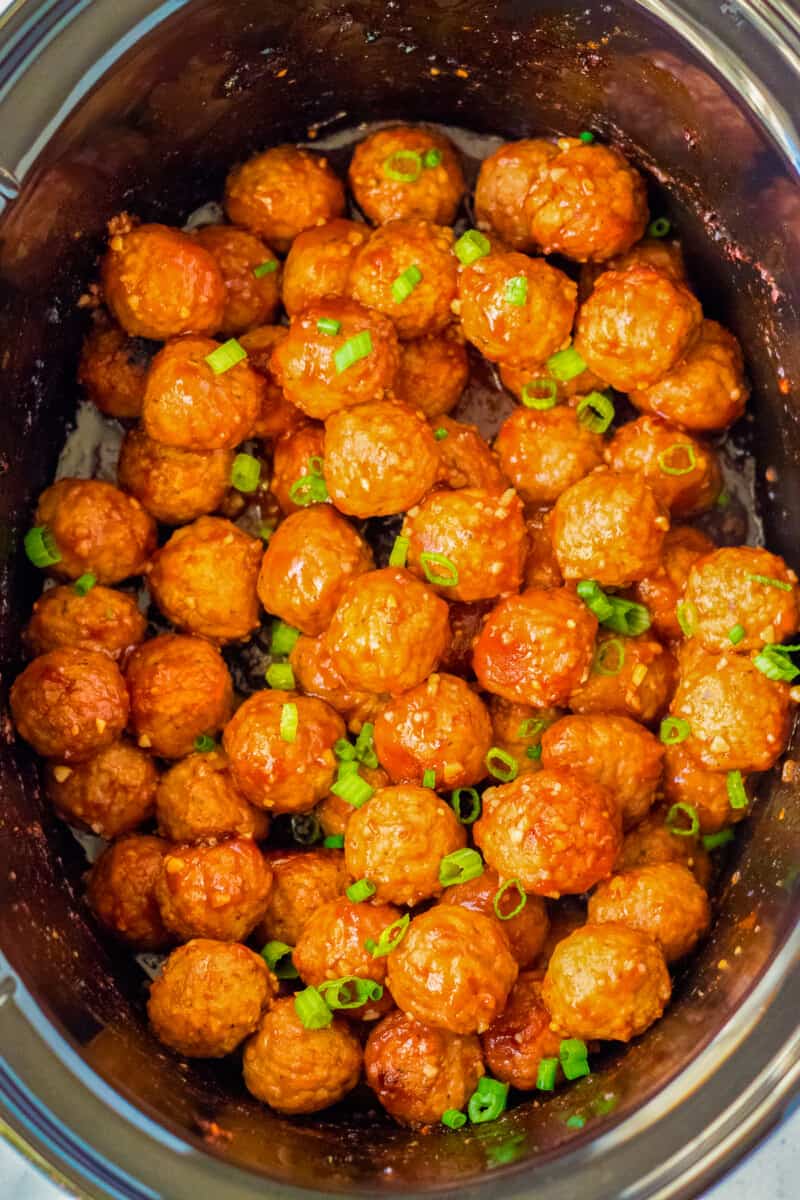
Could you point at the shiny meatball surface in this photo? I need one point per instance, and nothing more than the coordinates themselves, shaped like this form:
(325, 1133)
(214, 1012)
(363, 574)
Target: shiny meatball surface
(282, 192)
(745, 587)
(526, 931)
(319, 261)
(407, 171)
(651, 841)
(664, 900)
(120, 890)
(197, 800)
(686, 781)
(111, 793)
(174, 485)
(433, 373)
(112, 370)
(520, 1037)
(294, 456)
(315, 675)
(683, 472)
(102, 619)
(465, 459)
(250, 299)
(543, 453)
(332, 945)
(214, 891)
(277, 415)
(518, 729)
(705, 390)
(302, 882)
(632, 676)
(503, 183)
(541, 566)
(662, 591)
(97, 529)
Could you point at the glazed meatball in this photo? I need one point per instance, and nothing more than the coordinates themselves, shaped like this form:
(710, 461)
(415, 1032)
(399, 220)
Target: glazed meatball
(525, 932)
(250, 299)
(214, 891)
(665, 255)
(632, 676)
(518, 728)
(683, 472)
(112, 370)
(636, 325)
(101, 619)
(69, 704)
(541, 566)
(441, 726)
(536, 647)
(586, 202)
(555, 831)
(662, 591)
(316, 675)
(97, 529)
(197, 800)
(204, 580)
(275, 770)
(744, 587)
(663, 900)
(606, 981)
(517, 1041)
(706, 390)
(614, 751)
(418, 1072)
(433, 373)
(332, 945)
(397, 840)
(319, 263)
(516, 309)
(543, 453)
(392, 251)
(407, 171)
(180, 689)
(652, 841)
(174, 485)
(293, 456)
(299, 1070)
(120, 890)
(687, 782)
(302, 882)
(110, 794)
(158, 282)
(453, 969)
(282, 192)
(713, 693)
(465, 460)
(277, 415)
(610, 527)
(209, 997)
(481, 535)
(504, 181)
(187, 404)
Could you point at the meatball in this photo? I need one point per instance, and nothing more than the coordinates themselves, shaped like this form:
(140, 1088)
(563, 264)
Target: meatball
(319, 263)
(421, 254)
(277, 415)
(120, 890)
(441, 726)
(480, 535)
(614, 751)
(525, 932)
(101, 619)
(418, 1072)
(112, 370)
(158, 282)
(397, 840)
(664, 900)
(683, 473)
(293, 456)
(632, 676)
(687, 782)
(543, 453)
(609, 526)
(180, 689)
(332, 945)
(110, 794)
(453, 969)
(518, 728)
(302, 882)
(70, 703)
(465, 460)
(713, 693)
(662, 591)
(606, 981)
(278, 768)
(214, 891)
(541, 566)
(537, 647)
(433, 373)
(282, 192)
(665, 255)
(209, 997)
(204, 580)
(706, 390)
(744, 589)
(555, 831)
(97, 529)
(187, 404)
(299, 1070)
(516, 309)
(407, 171)
(173, 485)
(197, 800)
(250, 299)
(503, 183)
(517, 1041)
(653, 842)
(316, 675)
(388, 632)
(636, 325)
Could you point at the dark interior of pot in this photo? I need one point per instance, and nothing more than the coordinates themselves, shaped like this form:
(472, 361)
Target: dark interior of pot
(214, 82)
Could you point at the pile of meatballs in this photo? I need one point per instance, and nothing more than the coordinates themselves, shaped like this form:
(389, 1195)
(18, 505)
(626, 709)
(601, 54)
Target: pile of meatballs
(518, 738)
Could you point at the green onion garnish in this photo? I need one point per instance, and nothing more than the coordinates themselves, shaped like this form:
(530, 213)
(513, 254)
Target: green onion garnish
(281, 676)
(659, 228)
(245, 473)
(573, 1056)
(354, 349)
(404, 284)
(674, 730)
(723, 499)
(349, 991)
(226, 356)
(440, 434)
(600, 665)
(546, 1074)
(352, 789)
(686, 613)
(312, 1009)
(471, 246)
(329, 325)
(448, 577)
(565, 364)
(282, 639)
(534, 752)
(453, 1119)
(310, 488)
(775, 663)
(500, 893)
(737, 634)
(768, 581)
(278, 957)
(266, 530)
(460, 867)
(669, 468)
(595, 412)
(431, 158)
(204, 744)
(622, 616)
(306, 828)
(488, 1100)
(516, 292)
(530, 727)
(289, 722)
(265, 268)
(85, 583)
(404, 166)
(712, 841)
(586, 136)
(576, 1121)
(389, 938)
(399, 552)
(365, 746)
(361, 890)
(735, 788)
(540, 394)
(501, 764)
(429, 779)
(344, 750)
(334, 841)
(474, 810)
(347, 769)
(40, 547)
(673, 820)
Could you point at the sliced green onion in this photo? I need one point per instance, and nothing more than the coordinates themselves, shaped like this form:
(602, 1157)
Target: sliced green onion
(622, 616)
(349, 992)
(673, 820)
(516, 292)
(352, 789)
(310, 488)
(226, 356)
(735, 788)
(712, 841)
(453, 1119)
(306, 828)
(687, 617)
(659, 228)
(204, 744)
(669, 468)
(595, 598)
(347, 768)
(540, 394)
(399, 552)
(674, 730)
(546, 1074)
(354, 349)
(429, 779)
(474, 810)
(600, 664)
(394, 169)
(365, 746)
(723, 499)
(488, 1100)
(775, 663)
(85, 583)
(534, 752)
(389, 938)
(404, 284)
(565, 364)
(431, 158)
(278, 957)
(530, 727)
(312, 1009)
(576, 1121)
(280, 676)
(595, 412)
(737, 634)
(265, 268)
(440, 434)
(428, 560)
(460, 867)
(329, 325)
(501, 764)
(361, 890)
(573, 1056)
(471, 246)
(500, 893)
(245, 473)
(343, 750)
(289, 722)
(282, 639)
(40, 547)
(586, 136)
(768, 581)
(334, 841)
(266, 530)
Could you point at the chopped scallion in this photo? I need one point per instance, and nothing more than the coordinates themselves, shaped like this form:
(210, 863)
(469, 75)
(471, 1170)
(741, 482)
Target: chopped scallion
(659, 228)
(349, 992)
(460, 867)
(540, 394)
(312, 1009)
(447, 576)
(498, 899)
(399, 553)
(334, 841)
(683, 810)
(736, 634)
(265, 268)
(389, 938)
(289, 722)
(282, 639)
(404, 284)
(204, 744)
(473, 812)
(352, 789)
(612, 649)
(353, 350)
(329, 326)
(488, 1100)
(278, 957)
(565, 364)
(471, 246)
(85, 583)
(245, 473)
(40, 547)
(226, 356)
(595, 412)
(404, 166)
(734, 784)
(674, 730)
(666, 459)
(361, 890)
(516, 292)
(501, 764)
(281, 676)
(429, 779)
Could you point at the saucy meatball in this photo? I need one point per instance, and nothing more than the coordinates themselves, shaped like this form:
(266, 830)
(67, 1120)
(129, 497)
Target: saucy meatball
(683, 473)
(525, 932)
(543, 453)
(332, 945)
(687, 782)
(465, 460)
(418, 1072)
(664, 900)
(251, 298)
(541, 565)
(397, 840)
(537, 647)
(101, 619)
(111, 793)
(442, 726)
(662, 591)
(209, 997)
(407, 171)
(282, 192)
(302, 882)
(70, 703)
(294, 454)
(319, 261)
(632, 676)
(453, 969)
(556, 831)
(316, 675)
(665, 255)
(299, 1070)
(120, 891)
(197, 800)
(280, 747)
(504, 180)
(204, 580)
(652, 841)
(277, 415)
(388, 632)
(518, 728)
(158, 282)
(214, 891)
(174, 485)
(606, 981)
(180, 690)
(97, 529)
(517, 1041)
(112, 370)
(433, 373)
(744, 591)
